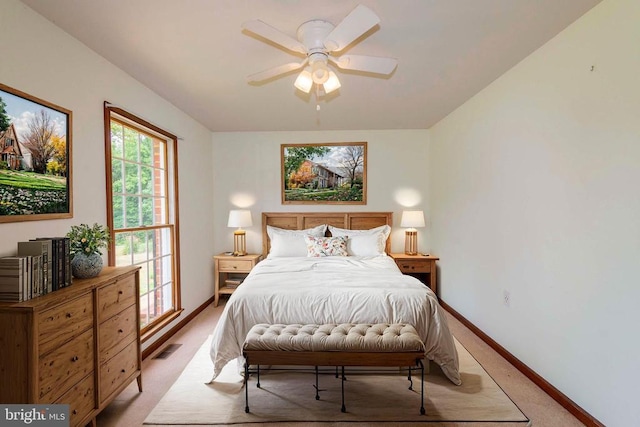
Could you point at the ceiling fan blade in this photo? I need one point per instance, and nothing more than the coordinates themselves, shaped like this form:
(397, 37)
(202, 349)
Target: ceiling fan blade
(359, 21)
(268, 32)
(275, 71)
(370, 64)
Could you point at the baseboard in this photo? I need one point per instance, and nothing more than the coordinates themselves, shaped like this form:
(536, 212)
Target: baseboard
(553, 392)
(171, 332)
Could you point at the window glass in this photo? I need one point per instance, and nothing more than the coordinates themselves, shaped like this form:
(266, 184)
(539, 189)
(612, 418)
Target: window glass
(141, 212)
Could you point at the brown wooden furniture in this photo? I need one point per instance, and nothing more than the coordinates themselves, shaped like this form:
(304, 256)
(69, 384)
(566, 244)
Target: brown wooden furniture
(79, 345)
(227, 266)
(419, 266)
(304, 220)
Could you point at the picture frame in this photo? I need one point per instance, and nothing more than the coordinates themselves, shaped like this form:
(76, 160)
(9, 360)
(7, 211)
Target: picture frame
(35, 158)
(324, 173)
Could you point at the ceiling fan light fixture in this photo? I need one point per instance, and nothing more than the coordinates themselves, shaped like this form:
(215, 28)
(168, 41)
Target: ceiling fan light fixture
(332, 83)
(319, 72)
(318, 39)
(304, 81)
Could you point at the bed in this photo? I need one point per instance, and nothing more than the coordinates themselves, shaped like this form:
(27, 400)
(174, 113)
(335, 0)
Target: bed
(350, 280)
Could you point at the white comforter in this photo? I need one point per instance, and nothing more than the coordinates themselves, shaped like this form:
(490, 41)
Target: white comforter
(333, 290)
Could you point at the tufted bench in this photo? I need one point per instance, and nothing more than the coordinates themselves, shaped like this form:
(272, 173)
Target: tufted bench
(339, 345)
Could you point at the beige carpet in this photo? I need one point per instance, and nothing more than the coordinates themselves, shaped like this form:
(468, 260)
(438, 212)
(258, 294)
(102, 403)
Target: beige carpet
(290, 397)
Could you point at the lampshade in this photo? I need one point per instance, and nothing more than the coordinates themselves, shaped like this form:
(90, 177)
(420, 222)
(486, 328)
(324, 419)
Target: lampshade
(239, 218)
(332, 83)
(319, 72)
(304, 81)
(412, 219)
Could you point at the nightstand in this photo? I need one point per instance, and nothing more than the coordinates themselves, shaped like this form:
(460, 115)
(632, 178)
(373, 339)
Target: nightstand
(229, 272)
(418, 266)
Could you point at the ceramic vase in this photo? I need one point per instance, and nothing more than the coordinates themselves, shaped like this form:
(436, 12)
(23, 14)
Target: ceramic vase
(85, 266)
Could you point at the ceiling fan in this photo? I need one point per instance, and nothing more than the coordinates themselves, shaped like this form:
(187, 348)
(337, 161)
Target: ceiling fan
(317, 40)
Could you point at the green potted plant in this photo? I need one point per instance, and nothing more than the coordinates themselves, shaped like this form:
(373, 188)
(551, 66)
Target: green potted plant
(85, 243)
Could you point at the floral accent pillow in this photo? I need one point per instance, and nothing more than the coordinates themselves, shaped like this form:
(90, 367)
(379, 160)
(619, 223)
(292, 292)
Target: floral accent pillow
(326, 246)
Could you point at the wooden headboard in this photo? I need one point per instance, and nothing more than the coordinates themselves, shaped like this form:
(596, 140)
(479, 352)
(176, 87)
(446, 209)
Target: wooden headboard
(303, 220)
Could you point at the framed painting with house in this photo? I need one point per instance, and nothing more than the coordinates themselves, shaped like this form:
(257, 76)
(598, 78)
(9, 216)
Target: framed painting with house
(35, 158)
(324, 173)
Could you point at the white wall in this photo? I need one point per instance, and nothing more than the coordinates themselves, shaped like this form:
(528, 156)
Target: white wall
(247, 168)
(40, 59)
(535, 191)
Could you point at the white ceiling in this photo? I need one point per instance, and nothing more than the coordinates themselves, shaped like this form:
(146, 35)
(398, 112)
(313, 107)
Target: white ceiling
(194, 54)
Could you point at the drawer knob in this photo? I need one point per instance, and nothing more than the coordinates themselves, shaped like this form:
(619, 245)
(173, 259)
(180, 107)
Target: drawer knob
(75, 412)
(123, 371)
(120, 331)
(68, 315)
(74, 359)
(120, 292)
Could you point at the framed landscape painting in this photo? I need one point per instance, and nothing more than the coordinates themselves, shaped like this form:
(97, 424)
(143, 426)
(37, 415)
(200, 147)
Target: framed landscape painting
(35, 158)
(327, 173)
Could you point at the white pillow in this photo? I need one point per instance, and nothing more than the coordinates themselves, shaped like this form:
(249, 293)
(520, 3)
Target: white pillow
(370, 242)
(291, 243)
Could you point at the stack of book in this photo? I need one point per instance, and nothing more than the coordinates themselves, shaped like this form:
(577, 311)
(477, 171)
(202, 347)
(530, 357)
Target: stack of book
(41, 266)
(13, 272)
(233, 281)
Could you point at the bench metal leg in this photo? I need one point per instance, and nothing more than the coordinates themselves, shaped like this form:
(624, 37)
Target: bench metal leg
(422, 411)
(316, 386)
(343, 409)
(246, 386)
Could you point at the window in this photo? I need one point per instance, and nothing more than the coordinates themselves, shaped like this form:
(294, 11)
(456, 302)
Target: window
(142, 212)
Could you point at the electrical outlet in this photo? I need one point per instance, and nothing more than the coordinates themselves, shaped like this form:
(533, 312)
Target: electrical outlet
(506, 297)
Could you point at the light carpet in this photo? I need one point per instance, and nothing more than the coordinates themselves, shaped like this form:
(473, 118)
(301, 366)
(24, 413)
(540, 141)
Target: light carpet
(290, 397)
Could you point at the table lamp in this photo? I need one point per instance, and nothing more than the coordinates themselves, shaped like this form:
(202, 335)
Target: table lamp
(239, 218)
(411, 220)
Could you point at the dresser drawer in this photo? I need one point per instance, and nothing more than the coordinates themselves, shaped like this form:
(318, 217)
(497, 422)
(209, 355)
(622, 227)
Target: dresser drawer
(65, 366)
(61, 323)
(229, 265)
(81, 400)
(115, 296)
(414, 266)
(115, 371)
(115, 333)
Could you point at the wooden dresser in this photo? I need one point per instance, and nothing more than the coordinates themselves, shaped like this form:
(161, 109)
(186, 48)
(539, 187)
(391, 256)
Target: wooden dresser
(79, 345)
